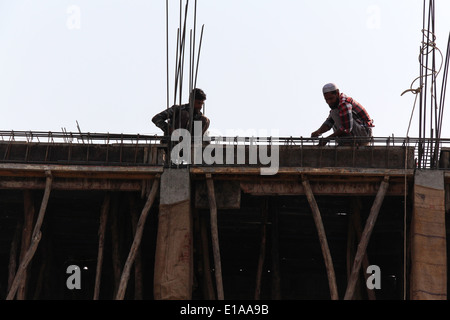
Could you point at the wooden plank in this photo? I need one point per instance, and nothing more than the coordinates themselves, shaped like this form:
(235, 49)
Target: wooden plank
(365, 237)
(84, 184)
(343, 188)
(310, 171)
(80, 171)
(323, 239)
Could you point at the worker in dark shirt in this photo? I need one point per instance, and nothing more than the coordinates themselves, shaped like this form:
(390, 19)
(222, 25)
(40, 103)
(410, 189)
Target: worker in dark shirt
(347, 118)
(177, 117)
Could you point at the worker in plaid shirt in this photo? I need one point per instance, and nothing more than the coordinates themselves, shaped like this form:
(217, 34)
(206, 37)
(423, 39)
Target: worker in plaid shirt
(348, 119)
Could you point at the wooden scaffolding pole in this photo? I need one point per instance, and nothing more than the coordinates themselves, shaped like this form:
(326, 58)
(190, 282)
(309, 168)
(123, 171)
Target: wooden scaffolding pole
(262, 250)
(276, 278)
(365, 237)
(208, 287)
(116, 242)
(138, 290)
(215, 236)
(356, 217)
(101, 243)
(12, 267)
(137, 240)
(29, 215)
(322, 238)
(36, 237)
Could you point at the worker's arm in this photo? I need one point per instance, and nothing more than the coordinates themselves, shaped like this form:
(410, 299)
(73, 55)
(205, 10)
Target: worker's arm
(324, 128)
(160, 120)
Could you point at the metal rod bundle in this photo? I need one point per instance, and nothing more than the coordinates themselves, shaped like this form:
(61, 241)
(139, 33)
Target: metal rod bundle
(431, 106)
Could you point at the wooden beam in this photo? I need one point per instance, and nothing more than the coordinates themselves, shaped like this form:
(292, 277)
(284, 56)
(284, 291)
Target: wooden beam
(36, 237)
(310, 171)
(343, 187)
(79, 171)
(323, 239)
(81, 184)
(365, 237)
(101, 243)
(137, 240)
(215, 237)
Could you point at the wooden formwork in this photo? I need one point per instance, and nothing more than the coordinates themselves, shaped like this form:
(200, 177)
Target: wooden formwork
(320, 178)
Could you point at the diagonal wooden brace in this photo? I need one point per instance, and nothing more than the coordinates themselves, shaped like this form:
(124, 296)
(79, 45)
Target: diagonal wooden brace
(215, 236)
(322, 238)
(36, 237)
(365, 237)
(137, 240)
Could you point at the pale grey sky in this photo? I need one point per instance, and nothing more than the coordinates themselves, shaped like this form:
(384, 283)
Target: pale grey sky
(263, 63)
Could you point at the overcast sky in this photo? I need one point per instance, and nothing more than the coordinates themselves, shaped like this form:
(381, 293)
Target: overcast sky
(263, 63)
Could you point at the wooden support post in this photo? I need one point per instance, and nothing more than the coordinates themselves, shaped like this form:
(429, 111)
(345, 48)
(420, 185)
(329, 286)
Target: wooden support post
(115, 242)
(215, 236)
(208, 288)
(40, 282)
(138, 291)
(13, 254)
(276, 279)
(29, 215)
(101, 243)
(356, 217)
(262, 250)
(137, 240)
(365, 237)
(322, 238)
(36, 237)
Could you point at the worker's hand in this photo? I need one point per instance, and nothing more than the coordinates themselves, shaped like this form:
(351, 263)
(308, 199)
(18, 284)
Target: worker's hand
(315, 134)
(323, 142)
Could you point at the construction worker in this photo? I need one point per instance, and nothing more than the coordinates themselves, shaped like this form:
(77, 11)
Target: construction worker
(177, 117)
(347, 118)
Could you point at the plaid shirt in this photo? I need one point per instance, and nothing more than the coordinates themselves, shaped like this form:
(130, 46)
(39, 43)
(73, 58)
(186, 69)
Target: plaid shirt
(350, 109)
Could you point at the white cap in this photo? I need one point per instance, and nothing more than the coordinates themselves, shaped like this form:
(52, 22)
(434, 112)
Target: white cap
(330, 87)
